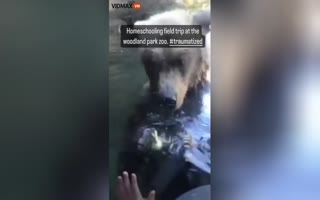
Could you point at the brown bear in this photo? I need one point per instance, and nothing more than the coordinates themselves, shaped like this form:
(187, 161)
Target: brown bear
(172, 72)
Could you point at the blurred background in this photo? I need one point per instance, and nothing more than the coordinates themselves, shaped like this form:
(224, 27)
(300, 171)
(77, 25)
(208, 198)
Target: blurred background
(266, 105)
(53, 102)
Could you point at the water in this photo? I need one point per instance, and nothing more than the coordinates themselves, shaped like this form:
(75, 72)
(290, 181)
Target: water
(126, 78)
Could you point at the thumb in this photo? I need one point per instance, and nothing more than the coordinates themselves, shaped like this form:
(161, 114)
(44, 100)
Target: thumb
(152, 195)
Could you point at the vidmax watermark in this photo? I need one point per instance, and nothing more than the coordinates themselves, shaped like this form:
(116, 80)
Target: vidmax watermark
(130, 5)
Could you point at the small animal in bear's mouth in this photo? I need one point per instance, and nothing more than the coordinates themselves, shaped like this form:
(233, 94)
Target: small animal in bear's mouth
(158, 138)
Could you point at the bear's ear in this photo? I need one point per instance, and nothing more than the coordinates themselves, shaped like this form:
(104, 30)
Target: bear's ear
(203, 18)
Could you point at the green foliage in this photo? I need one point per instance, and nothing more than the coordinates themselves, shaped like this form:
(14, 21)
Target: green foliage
(196, 5)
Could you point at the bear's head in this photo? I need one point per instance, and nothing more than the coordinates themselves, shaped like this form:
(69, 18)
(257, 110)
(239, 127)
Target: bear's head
(172, 72)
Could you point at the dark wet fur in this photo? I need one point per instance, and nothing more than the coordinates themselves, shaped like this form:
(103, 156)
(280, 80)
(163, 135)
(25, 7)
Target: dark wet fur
(168, 174)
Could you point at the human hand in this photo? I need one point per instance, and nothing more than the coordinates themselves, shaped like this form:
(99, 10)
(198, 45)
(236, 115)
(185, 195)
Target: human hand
(130, 190)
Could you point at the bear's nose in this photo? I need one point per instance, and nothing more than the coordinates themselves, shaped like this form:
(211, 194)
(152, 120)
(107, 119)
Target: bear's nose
(170, 101)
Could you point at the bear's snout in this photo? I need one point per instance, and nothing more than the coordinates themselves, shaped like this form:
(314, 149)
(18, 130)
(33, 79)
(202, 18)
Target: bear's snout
(172, 88)
(167, 90)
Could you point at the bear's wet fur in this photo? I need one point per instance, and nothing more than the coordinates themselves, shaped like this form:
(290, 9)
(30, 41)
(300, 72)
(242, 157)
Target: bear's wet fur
(168, 174)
